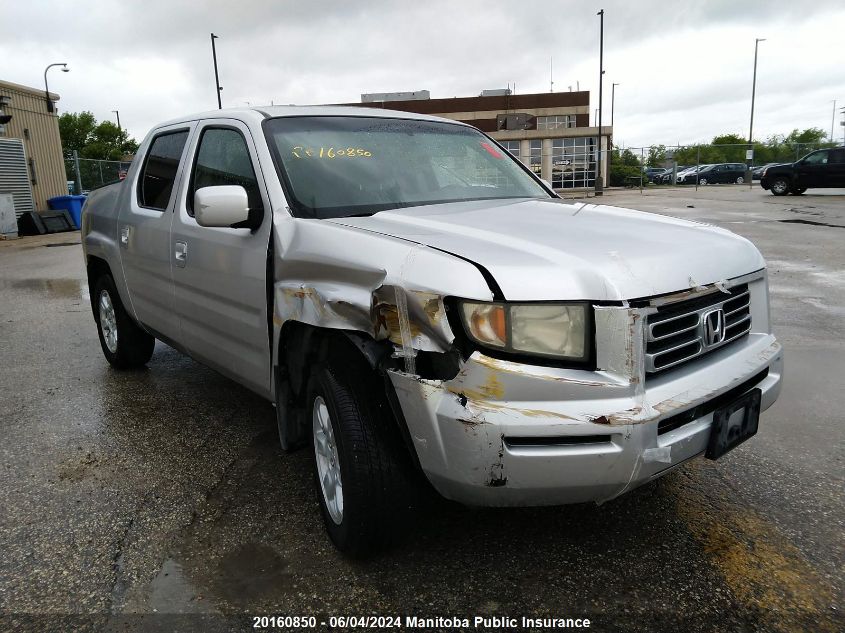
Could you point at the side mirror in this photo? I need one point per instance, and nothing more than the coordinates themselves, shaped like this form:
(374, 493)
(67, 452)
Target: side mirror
(223, 206)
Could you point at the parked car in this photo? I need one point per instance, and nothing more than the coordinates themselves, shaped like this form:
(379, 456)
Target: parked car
(666, 178)
(822, 168)
(757, 172)
(689, 175)
(413, 298)
(722, 173)
(652, 172)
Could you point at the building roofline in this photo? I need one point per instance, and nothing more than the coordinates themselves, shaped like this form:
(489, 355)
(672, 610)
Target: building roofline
(21, 88)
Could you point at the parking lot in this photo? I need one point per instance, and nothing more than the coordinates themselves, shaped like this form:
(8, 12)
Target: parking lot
(165, 491)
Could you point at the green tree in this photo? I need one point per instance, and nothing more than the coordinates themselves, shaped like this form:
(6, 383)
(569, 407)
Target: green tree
(104, 140)
(656, 156)
(76, 131)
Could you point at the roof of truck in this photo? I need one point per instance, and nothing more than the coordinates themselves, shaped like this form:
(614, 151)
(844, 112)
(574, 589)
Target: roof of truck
(259, 113)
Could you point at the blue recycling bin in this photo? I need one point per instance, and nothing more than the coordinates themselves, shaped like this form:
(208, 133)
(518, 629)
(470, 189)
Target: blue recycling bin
(71, 204)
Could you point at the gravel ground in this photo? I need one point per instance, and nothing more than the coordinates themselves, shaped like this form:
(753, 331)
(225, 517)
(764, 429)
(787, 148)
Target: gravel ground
(129, 498)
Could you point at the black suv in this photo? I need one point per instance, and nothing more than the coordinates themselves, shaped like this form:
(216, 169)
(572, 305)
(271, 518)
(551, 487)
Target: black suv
(822, 168)
(722, 172)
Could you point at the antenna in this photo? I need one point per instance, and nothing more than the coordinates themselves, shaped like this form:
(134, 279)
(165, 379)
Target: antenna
(551, 74)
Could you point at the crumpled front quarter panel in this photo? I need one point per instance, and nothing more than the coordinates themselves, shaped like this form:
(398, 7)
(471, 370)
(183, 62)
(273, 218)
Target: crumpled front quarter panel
(339, 277)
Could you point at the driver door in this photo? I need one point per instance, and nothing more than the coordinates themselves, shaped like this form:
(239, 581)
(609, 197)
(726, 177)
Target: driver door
(811, 170)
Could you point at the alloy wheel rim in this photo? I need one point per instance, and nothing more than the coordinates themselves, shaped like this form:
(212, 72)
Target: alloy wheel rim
(779, 186)
(108, 321)
(328, 464)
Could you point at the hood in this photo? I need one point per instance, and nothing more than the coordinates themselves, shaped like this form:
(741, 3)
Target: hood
(547, 250)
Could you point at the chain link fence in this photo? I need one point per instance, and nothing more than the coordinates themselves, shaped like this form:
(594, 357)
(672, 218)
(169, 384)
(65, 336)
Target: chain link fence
(702, 163)
(85, 174)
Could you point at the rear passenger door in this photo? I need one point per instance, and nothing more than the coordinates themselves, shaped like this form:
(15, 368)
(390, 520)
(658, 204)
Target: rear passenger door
(144, 231)
(220, 274)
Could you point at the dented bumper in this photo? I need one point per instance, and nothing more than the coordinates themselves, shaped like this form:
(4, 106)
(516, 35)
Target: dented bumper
(503, 433)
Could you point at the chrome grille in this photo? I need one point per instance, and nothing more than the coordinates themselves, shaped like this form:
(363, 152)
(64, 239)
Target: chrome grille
(682, 331)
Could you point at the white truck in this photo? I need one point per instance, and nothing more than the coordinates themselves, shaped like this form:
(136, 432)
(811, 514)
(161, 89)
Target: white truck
(413, 299)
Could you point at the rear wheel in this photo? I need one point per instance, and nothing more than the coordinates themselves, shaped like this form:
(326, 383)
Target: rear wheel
(359, 463)
(125, 345)
(780, 186)
(740, 180)
(703, 181)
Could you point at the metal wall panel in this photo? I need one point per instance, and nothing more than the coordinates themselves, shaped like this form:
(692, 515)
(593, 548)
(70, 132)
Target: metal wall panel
(14, 174)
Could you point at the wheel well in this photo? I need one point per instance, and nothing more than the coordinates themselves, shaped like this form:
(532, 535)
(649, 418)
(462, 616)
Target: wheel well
(96, 268)
(304, 347)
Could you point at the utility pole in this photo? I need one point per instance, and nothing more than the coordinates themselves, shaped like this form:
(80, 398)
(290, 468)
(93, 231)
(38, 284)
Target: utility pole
(216, 75)
(750, 159)
(609, 143)
(599, 190)
(117, 114)
(551, 74)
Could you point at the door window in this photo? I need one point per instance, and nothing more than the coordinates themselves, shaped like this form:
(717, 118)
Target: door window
(223, 159)
(160, 167)
(816, 158)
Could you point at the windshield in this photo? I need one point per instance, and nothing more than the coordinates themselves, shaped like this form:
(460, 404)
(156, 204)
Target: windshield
(338, 166)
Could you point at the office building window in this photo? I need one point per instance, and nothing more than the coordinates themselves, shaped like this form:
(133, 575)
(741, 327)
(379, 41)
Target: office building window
(536, 155)
(555, 122)
(573, 162)
(512, 147)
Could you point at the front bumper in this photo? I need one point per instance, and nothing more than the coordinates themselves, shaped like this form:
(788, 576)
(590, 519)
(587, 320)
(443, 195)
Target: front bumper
(507, 434)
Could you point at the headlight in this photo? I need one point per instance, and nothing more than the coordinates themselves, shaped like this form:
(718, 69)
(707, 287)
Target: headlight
(557, 330)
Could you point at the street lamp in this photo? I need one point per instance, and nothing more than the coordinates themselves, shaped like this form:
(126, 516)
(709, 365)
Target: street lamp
(65, 69)
(117, 114)
(599, 190)
(750, 158)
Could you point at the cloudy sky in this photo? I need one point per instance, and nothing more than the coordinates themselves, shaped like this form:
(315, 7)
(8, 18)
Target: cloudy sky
(684, 68)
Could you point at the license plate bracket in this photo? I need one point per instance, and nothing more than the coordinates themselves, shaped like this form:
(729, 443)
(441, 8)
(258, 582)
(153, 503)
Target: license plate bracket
(734, 423)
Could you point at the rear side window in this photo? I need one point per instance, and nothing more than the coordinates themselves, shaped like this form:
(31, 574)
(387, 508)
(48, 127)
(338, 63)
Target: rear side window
(160, 167)
(223, 159)
(837, 156)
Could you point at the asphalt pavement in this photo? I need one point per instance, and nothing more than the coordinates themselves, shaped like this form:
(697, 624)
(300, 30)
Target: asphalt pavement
(128, 497)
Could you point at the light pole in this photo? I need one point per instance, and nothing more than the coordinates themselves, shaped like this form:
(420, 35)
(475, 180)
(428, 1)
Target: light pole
(117, 114)
(750, 159)
(65, 69)
(216, 76)
(599, 184)
(832, 119)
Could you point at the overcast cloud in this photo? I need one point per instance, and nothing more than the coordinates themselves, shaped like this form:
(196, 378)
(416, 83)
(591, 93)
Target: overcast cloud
(684, 67)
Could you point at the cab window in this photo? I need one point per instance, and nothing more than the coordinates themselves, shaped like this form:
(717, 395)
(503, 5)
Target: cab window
(223, 159)
(160, 167)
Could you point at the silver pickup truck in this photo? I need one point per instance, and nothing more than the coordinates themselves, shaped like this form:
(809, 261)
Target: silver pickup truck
(414, 300)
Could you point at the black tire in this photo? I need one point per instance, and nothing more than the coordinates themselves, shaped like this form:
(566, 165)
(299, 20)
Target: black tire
(373, 464)
(780, 186)
(740, 180)
(798, 191)
(703, 181)
(132, 347)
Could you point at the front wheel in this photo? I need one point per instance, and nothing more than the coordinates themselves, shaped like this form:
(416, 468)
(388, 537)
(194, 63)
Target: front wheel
(361, 478)
(125, 345)
(780, 186)
(703, 181)
(740, 180)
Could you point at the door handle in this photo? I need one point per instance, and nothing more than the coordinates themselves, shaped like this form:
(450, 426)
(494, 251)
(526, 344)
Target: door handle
(180, 254)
